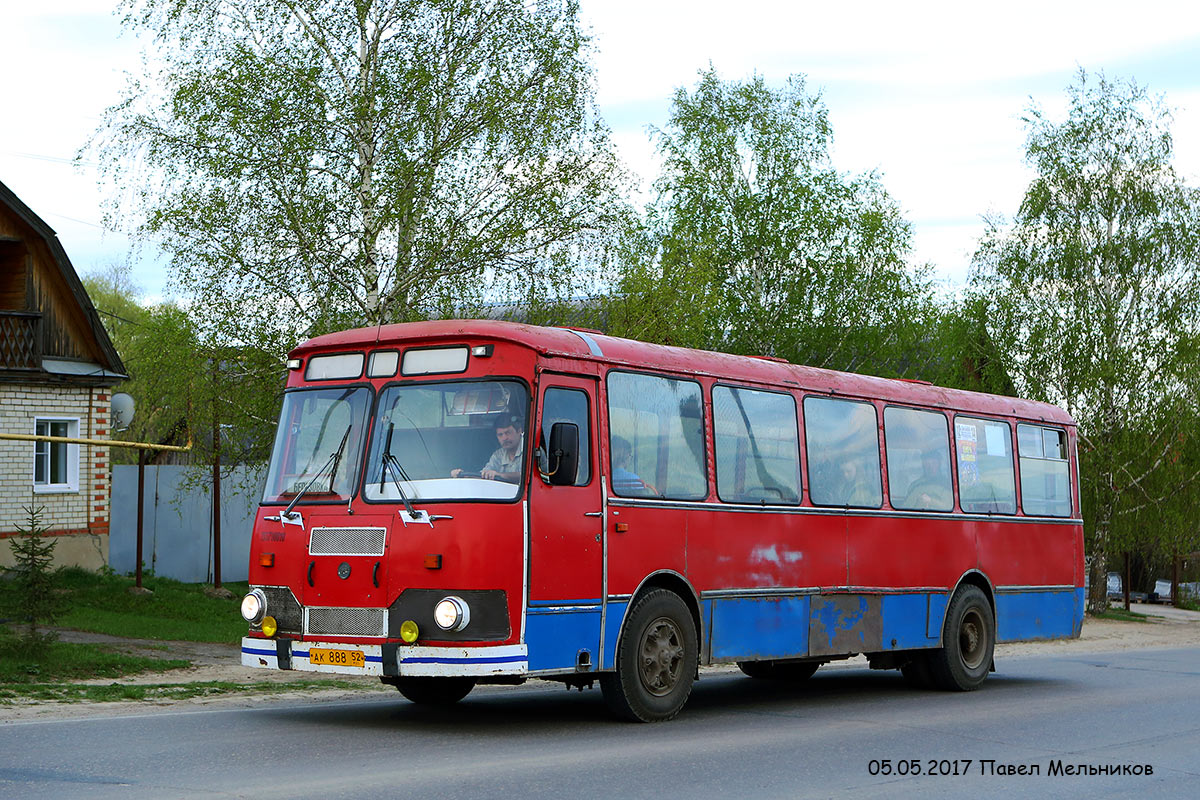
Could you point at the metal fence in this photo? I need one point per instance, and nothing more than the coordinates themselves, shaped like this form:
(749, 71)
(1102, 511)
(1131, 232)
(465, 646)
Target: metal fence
(177, 539)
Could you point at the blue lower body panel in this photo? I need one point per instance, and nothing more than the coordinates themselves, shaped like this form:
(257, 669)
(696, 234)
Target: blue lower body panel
(1022, 616)
(759, 627)
(556, 635)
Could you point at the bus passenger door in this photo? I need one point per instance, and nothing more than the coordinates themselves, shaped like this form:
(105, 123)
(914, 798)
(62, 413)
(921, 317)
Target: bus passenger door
(562, 625)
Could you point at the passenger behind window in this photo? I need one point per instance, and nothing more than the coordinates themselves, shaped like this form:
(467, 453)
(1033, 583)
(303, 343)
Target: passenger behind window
(931, 492)
(855, 489)
(625, 482)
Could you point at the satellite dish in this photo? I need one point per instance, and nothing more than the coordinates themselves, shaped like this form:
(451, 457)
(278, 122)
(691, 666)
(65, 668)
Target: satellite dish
(122, 411)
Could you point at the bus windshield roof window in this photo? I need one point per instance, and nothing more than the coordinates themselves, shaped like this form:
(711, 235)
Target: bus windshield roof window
(460, 440)
(318, 446)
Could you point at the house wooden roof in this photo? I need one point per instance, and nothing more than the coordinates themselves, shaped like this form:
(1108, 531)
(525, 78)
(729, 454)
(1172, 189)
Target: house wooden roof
(74, 330)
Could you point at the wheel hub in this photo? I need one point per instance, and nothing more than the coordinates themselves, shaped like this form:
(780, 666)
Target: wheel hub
(662, 657)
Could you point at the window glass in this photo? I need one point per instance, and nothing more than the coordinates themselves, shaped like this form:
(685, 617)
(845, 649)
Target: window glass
(918, 459)
(448, 441)
(985, 466)
(342, 366)
(56, 464)
(757, 446)
(656, 428)
(569, 405)
(842, 441)
(318, 445)
(382, 364)
(429, 361)
(1045, 475)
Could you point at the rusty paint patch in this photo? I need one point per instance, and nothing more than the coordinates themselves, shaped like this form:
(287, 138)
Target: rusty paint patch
(845, 623)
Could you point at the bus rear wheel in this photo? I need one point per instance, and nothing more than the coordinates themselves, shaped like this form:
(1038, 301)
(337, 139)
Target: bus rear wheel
(657, 656)
(779, 670)
(968, 641)
(433, 691)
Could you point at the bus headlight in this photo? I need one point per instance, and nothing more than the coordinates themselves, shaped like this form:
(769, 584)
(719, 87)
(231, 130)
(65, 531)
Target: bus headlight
(254, 606)
(452, 613)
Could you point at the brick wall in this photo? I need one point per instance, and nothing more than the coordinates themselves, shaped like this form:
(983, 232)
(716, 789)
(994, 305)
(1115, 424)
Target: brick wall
(80, 516)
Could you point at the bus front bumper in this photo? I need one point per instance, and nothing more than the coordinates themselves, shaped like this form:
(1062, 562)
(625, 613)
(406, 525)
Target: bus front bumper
(384, 659)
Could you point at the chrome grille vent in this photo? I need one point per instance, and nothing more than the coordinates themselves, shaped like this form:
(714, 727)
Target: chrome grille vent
(347, 541)
(283, 606)
(346, 621)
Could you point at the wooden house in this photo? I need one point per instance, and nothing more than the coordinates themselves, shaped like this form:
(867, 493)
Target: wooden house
(57, 370)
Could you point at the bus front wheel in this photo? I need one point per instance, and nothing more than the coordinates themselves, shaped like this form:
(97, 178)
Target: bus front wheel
(433, 691)
(656, 660)
(968, 641)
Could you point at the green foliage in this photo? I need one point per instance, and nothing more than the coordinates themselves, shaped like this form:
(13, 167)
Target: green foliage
(175, 611)
(180, 381)
(757, 245)
(32, 591)
(65, 661)
(1091, 295)
(312, 166)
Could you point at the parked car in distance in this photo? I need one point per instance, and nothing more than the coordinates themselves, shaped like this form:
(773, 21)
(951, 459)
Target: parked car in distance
(1115, 591)
(1161, 593)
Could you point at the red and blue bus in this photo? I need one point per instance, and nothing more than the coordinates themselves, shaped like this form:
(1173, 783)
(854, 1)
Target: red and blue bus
(462, 502)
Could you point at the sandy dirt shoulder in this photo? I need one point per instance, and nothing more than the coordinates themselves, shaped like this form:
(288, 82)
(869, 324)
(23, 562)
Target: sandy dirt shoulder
(1167, 628)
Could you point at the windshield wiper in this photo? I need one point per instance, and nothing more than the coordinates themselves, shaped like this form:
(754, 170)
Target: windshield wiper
(390, 462)
(331, 465)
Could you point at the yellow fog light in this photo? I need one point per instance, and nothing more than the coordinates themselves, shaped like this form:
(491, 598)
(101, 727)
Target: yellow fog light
(269, 626)
(409, 631)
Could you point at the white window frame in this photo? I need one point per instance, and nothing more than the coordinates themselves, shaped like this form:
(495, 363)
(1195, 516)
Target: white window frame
(72, 457)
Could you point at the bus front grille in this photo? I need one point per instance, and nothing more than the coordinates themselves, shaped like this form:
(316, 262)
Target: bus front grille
(347, 541)
(345, 621)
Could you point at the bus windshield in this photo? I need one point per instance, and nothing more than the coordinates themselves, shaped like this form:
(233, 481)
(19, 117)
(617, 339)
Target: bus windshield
(448, 441)
(318, 445)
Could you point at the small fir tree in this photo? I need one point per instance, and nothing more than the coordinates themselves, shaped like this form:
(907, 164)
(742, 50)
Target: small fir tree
(33, 599)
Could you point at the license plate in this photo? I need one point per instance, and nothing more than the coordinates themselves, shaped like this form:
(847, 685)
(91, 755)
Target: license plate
(337, 658)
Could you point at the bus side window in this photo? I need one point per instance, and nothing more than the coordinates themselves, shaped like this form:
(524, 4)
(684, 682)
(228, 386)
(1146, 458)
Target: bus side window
(985, 466)
(656, 436)
(918, 459)
(757, 446)
(842, 444)
(1045, 481)
(569, 405)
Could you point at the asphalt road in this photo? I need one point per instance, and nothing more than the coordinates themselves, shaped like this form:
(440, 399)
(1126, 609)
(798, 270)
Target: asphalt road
(738, 737)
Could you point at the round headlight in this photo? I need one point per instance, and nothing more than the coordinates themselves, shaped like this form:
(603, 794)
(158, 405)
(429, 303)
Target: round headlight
(451, 614)
(254, 606)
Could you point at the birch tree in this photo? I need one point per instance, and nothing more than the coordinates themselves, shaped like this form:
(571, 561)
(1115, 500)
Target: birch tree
(1093, 290)
(757, 244)
(317, 164)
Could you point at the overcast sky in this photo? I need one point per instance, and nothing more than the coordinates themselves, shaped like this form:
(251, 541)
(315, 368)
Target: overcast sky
(928, 93)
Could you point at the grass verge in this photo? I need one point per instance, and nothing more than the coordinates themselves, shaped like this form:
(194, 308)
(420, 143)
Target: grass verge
(114, 692)
(63, 661)
(175, 611)
(1120, 614)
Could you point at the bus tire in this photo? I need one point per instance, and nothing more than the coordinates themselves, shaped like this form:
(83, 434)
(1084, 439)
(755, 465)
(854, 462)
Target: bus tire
(433, 691)
(779, 670)
(657, 657)
(968, 641)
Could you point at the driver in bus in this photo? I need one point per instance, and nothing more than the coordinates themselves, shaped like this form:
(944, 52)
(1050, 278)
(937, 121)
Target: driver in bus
(505, 463)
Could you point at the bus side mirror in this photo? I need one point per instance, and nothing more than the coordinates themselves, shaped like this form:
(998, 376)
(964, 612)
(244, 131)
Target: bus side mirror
(563, 460)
